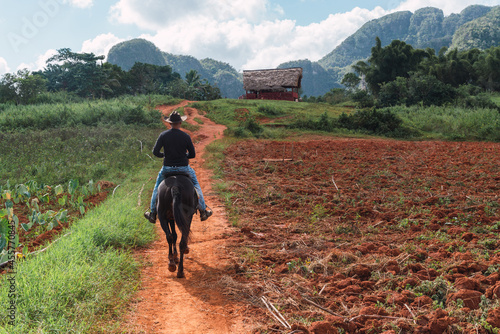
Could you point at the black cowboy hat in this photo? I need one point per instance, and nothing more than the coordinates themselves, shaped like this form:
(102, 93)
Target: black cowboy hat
(175, 117)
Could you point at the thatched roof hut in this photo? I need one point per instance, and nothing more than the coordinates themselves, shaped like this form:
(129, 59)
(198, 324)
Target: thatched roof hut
(272, 80)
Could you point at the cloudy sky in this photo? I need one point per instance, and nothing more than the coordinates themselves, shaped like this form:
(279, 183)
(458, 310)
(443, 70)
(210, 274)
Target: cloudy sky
(248, 34)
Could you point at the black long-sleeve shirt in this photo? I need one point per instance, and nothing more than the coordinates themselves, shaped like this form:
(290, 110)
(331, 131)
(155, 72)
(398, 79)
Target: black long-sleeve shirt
(177, 147)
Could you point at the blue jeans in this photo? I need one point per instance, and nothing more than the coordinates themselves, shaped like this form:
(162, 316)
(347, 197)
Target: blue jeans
(182, 169)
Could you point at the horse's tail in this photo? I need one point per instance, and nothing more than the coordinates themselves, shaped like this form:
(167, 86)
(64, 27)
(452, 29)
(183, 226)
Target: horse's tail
(179, 216)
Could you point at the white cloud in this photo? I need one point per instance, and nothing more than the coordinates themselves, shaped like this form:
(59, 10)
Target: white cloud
(4, 67)
(80, 3)
(40, 63)
(266, 44)
(157, 14)
(100, 45)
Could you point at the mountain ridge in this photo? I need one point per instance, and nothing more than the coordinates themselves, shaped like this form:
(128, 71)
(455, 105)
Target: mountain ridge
(475, 26)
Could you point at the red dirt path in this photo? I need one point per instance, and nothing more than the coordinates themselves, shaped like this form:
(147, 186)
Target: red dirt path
(195, 304)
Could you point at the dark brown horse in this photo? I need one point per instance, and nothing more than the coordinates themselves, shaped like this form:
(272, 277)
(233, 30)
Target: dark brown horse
(176, 204)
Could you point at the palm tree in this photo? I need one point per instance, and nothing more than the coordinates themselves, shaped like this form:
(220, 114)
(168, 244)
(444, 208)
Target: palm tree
(193, 78)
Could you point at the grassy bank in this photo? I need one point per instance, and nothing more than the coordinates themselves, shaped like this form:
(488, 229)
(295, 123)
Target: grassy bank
(83, 281)
(279, 119)
(450, 123)
(232, 112)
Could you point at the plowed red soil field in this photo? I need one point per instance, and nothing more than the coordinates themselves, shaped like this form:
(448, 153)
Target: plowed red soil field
(365, 235)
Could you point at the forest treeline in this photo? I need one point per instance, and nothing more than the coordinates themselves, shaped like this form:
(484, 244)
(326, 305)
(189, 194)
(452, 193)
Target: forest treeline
(85, 75)
(398, 74)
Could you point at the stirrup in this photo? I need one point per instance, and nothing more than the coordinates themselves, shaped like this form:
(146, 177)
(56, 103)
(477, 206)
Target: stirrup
(205, 214)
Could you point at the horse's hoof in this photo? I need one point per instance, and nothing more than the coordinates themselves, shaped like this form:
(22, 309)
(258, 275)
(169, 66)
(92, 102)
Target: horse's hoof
(172, 268)
(180, 275)
(186, 251)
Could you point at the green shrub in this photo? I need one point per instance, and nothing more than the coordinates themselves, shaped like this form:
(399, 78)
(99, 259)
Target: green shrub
(363, 99)
(270, 110)
(375, 121)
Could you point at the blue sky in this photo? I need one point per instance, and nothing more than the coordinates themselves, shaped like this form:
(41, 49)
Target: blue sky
(247, 34)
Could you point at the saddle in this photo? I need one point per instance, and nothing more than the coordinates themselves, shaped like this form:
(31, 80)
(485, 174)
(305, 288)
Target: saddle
(169, 174)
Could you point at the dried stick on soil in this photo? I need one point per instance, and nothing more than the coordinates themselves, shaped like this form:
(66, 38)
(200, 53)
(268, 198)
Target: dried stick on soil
(333, 180)
(275, 313)
(324, 286)
(113, 194)
(322, 308)
(412, 314)
(51, 243)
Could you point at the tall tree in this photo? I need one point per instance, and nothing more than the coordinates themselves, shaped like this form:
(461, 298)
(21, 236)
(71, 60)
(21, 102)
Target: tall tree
(8, 88)
(148, 78)
(193, 78)
(452, 67)
(351, 81)
(76, 72)
(29, 86)
(21, 88)
(397, 59)
(488, 69)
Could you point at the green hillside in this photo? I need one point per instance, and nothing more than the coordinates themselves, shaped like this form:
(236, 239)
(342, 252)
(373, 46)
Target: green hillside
(223, 75)
(126, 54)
(358, 45)
(481, 33)
(475, 27)
(427, 27)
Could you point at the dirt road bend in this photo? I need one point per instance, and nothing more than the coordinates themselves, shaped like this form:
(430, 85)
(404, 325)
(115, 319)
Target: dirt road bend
(195, 304)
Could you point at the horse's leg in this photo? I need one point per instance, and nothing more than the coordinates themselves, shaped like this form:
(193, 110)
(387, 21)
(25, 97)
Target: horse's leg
(172, 248)
(165, 225)
(182, 248)
(174, 236)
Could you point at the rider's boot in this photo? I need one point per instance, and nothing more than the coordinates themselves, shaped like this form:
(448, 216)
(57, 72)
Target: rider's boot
(205, 214)
(151, 216)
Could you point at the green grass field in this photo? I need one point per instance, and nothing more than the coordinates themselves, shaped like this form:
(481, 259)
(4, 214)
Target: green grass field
(279, 119)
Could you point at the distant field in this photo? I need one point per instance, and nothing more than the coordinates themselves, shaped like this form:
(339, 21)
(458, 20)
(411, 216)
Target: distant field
(55, 143)
(279, 119)
(228, 112)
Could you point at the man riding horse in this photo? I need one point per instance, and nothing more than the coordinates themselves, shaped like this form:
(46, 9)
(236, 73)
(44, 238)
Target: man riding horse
(178, 148)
